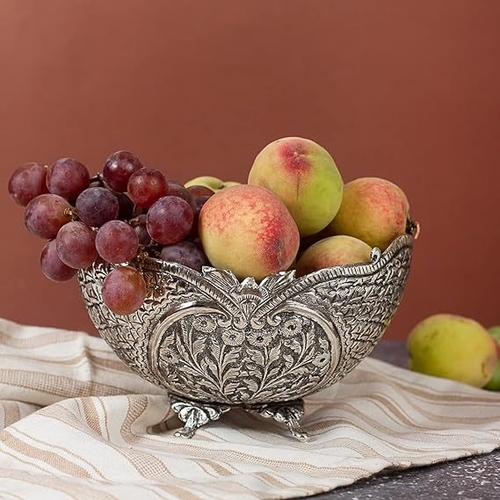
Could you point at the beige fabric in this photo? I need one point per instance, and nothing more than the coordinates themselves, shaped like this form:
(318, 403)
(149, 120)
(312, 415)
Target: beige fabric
(75, 423)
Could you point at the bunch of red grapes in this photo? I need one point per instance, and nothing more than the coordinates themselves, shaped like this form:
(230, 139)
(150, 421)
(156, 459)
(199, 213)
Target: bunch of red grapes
(124, 211)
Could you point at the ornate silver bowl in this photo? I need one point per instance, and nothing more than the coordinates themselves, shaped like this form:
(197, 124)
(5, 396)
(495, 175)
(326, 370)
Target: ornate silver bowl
(214, 342)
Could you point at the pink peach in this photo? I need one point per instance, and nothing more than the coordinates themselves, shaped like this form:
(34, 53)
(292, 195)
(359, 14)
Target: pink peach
(333, 251)
(304, 176)
(249, 231)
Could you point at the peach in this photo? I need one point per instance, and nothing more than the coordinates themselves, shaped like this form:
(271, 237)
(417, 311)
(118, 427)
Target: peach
(248, 230)
(333, 251)
(374, 210)
(304, 176)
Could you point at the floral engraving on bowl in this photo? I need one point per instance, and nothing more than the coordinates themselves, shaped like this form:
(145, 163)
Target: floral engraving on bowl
(217, 360)
(209, 337)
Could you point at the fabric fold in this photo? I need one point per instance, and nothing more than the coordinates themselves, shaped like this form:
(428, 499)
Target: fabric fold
(76, 423)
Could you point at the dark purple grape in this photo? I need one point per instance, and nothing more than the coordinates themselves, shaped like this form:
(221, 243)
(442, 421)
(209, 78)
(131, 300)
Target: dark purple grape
(75, 244)
(126, 210)
(27, 182)
(52, 266)
(117, 242)
(124, 290)
(118, 168)
(46, 214)
(169, 220)
(177, 189)
(146, 186)
(97, 205)
(139, 225)
(198, 202)
(67, 178)
(196, 191)
(185, 253)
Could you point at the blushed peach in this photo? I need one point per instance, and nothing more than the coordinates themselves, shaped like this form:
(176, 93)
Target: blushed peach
(248, 230)
(333, 251)
(304, 176)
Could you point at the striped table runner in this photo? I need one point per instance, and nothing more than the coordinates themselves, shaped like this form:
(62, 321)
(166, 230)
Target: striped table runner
(76, 424)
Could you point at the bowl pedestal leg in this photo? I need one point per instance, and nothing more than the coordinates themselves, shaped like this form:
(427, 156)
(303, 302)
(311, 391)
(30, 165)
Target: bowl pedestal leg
(196, 414)
(288, 413)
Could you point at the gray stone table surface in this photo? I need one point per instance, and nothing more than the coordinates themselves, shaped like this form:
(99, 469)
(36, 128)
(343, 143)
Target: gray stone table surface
(471, 478)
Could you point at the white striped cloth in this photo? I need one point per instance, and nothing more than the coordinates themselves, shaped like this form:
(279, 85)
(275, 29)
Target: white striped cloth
(76, 424)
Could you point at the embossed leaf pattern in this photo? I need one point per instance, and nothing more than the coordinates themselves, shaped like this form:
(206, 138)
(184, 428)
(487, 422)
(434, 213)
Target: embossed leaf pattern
(213, 339)
(264, 365)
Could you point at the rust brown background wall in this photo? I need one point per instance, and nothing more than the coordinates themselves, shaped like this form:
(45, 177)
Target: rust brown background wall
(407, 90)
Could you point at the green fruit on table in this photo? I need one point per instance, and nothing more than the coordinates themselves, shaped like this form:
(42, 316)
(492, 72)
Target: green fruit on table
(453, 347)
(304, 176)
(494, 383)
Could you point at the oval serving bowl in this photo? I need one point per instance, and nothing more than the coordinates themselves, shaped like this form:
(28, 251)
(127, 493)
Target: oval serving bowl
(214, 342)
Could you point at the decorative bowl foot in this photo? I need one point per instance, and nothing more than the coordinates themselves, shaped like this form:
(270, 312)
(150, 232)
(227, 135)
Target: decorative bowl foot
(195, 414)
(288, 413)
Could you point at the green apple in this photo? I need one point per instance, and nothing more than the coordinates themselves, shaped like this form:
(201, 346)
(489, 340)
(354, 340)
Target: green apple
(231, 183)
(213, 183)
(494, 383)
(453, 347)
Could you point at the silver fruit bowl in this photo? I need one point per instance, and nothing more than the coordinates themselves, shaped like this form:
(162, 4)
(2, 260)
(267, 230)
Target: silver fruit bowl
(214, 342)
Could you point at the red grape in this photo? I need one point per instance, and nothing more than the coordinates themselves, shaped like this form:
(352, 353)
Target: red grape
(67, 178)
(124, 290)
(27, 182)
(145, 186)
(185, 253)
(117, 242)
(169, 220)
(75, 243)
(46, 214)
(118, 168)
(97, 205)
(52, 266)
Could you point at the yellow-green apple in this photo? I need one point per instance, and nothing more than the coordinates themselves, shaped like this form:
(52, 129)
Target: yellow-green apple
(214, 183)
(248, 230)
(374, 210)
(304, 176)
(494, 383)
(230, 183)
(454, 347)
(333, 251)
